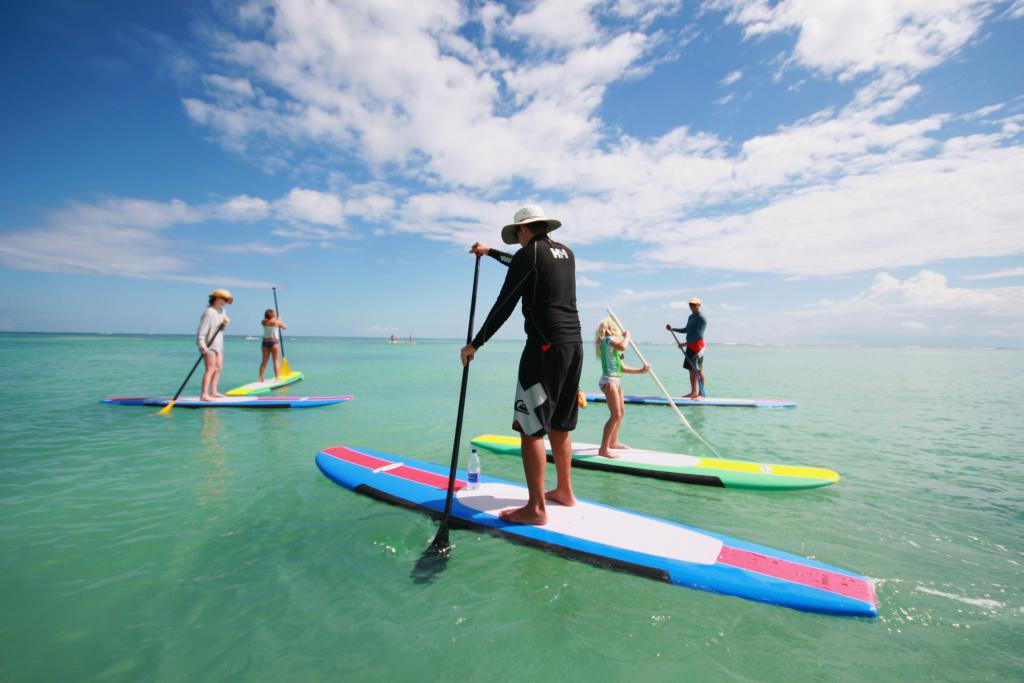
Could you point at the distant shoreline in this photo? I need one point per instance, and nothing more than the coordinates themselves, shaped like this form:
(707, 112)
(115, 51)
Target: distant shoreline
(383, 339)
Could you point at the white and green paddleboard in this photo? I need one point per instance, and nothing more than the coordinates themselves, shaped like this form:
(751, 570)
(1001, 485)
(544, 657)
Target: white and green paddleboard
(689, 469)
(256, 388)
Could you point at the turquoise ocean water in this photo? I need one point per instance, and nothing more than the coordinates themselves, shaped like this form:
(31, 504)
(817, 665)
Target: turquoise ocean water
(207, 546)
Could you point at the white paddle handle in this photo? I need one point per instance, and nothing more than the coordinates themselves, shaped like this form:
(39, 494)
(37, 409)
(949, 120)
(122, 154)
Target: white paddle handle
(661, 386)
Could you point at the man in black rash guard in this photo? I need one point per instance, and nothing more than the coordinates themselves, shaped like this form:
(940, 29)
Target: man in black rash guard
(543, 275)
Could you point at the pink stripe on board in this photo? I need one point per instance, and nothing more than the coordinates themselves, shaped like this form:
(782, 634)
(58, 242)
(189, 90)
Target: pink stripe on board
(355, 457)
(419, 476)
(273, 399)
(833, 582)
(438, 481)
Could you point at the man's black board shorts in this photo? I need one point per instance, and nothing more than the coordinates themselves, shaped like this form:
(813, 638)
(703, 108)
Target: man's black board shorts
(546, 394)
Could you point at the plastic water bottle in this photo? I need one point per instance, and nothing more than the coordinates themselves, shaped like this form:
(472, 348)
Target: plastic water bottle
(473, 471)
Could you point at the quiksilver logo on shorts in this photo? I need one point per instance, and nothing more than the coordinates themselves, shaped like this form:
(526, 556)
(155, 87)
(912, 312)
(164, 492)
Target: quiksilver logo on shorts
(521, 407)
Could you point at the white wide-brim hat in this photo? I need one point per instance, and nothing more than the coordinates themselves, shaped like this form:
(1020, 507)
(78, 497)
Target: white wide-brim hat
(524, 216)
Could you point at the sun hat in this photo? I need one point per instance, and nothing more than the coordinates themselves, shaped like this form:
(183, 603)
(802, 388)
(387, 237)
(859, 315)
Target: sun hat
(531, 213)
(223, 294)
(695, 300)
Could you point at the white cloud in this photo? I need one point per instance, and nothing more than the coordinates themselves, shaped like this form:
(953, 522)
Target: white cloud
(311, 206)
(234, 86)
(115, 237)
(963, 203)
(558, 23)
(919, 309)
(1007, 272)
(840, 191)
(926, 294)
(851, 37)
(245, 208)
(135, 238)
(731, 78)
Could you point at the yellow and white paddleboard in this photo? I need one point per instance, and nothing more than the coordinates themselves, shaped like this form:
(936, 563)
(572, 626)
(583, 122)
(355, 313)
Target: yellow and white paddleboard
(690, 469)
(256, 388)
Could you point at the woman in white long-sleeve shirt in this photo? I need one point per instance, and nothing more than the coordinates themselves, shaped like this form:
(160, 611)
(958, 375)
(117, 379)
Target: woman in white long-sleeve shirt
(211, 344)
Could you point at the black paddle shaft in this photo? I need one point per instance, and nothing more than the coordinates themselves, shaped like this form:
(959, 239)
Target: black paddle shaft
(678, 343)
(278, 312)
(192, 371)
(440, 543)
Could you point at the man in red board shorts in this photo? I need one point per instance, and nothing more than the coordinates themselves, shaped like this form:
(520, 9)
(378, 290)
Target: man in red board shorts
(543, 274)
(693, 349)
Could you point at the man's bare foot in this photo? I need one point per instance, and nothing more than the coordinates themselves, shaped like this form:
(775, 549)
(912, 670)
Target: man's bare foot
(691, 396)
(606, 454)
(263, 380)
(523, 515)
(561, 497)
(206, 398)
(220, 395)
(620, 446)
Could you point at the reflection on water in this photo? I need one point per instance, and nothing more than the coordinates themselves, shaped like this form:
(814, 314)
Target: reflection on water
(214, 479)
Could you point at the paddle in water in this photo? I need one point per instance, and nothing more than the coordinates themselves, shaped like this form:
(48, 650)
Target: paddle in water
(285, 368)
(435, 558)
(167, 408)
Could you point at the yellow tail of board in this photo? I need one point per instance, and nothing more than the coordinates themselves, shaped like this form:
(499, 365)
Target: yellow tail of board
(285, 369)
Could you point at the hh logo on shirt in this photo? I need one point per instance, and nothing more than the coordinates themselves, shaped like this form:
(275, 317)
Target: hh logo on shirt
(559, 253)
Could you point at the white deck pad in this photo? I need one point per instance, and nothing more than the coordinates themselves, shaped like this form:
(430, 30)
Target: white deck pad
(604, 525)
(637, 455)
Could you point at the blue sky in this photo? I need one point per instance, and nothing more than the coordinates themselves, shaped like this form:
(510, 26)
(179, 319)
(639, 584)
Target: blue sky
(841, 172)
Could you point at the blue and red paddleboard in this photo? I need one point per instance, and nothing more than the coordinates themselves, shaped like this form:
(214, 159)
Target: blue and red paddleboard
(232, 401)
(611, 536)
(706, 401)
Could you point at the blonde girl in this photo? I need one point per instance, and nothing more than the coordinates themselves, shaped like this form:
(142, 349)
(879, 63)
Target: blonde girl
(610, 342)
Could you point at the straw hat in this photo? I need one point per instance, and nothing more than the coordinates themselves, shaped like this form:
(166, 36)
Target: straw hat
(695, 301)
(223, 294)
(530, 213)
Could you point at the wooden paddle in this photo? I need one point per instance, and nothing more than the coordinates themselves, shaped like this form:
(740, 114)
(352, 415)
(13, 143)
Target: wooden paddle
(661, 386)
(167, 408)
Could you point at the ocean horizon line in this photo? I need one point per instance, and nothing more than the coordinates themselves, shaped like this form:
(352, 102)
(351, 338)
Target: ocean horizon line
(402, 340)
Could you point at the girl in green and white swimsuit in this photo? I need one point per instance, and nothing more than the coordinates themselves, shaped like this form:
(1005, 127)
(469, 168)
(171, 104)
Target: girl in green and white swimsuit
(610, 342)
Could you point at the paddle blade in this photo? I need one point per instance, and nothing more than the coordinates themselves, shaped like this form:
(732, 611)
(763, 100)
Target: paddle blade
(285, 369)
(166, 409)
(433, 560)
